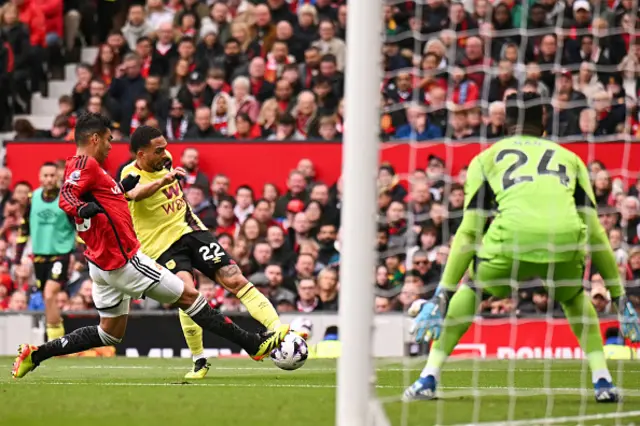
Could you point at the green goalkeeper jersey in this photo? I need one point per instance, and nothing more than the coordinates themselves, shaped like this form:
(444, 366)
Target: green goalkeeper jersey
(534, 187)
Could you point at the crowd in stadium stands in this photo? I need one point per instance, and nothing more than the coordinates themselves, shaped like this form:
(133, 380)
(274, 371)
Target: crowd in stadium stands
(274, 70)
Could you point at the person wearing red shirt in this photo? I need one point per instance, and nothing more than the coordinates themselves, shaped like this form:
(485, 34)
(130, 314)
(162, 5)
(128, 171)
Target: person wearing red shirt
(226, 221)
(119, 270)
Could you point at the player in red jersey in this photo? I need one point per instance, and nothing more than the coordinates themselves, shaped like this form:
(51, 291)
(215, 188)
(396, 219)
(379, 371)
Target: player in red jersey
(119, 270)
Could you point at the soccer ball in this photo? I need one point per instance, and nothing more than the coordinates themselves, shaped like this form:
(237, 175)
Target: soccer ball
(292, 353)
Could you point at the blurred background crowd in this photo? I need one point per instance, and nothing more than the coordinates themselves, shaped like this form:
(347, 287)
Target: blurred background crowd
(274, 70)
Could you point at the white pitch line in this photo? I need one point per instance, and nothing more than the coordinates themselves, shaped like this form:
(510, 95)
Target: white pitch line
(324, 370)
(556, 420)
(541, 391)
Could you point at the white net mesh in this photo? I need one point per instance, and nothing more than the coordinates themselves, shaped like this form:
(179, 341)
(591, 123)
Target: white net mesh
(449, 66)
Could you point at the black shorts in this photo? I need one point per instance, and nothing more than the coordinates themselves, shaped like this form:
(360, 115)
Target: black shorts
(197, 250)
(51, 268)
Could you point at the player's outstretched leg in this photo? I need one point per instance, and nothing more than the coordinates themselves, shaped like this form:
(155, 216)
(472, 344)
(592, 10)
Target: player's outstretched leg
(257, 345)
(460, 314)
(584, 323)
(82, 339)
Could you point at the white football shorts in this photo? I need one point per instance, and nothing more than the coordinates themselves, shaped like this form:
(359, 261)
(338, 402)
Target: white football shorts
(140, 277)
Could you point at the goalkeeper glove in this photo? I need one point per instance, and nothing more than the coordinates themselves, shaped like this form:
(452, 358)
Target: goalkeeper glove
(89, 210)
(128, 183)
(629, 321)
(429, 316)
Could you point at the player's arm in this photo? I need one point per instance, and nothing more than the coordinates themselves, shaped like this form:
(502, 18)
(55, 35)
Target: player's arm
(23, 233)
(79, 182)
(601, 253)
(140, 192)
(479, 199)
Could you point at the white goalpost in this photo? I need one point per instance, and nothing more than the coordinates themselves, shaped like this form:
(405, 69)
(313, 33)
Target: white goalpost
(359, 167)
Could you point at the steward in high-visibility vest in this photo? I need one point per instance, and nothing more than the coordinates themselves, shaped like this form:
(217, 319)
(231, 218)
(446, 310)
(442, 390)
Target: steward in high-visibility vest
(329, 347)
(614, 347)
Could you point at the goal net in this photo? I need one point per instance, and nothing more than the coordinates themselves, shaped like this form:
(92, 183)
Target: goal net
(448, 67)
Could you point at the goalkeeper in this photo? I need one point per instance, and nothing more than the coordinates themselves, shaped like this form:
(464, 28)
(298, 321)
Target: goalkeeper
(545, 219)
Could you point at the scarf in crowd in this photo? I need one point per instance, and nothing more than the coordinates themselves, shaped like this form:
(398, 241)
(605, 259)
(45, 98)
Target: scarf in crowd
(220, 123)
(135, 122)
(179, 132)
(464, 92)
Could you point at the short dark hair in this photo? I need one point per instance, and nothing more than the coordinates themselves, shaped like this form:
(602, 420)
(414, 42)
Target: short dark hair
(262, 200)
(456, 187)
(23, 183)
(48, 164)
(143, 136)
(228, 199)
(143, 39)
(328, 57)
(88, 124)
(286, 119)
(232, 40)
(525, 109)
(247, 187)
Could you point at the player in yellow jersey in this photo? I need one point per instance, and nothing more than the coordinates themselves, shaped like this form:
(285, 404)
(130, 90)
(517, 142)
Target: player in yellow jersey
(175, 237)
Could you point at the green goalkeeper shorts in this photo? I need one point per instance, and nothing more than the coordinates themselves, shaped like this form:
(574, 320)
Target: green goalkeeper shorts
(499, 275)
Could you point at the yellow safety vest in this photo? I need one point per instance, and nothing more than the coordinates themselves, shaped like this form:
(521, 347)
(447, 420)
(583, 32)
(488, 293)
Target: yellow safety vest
(326, 349)
(619, 352)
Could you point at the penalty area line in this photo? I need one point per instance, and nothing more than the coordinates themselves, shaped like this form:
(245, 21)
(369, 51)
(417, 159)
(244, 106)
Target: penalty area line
(556, 420)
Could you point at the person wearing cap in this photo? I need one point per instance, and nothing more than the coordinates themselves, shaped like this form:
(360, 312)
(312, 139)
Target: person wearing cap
(192, 95)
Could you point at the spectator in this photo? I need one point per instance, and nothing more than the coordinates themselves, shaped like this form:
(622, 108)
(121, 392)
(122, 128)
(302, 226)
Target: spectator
(260, 256)
(165, 51)
(329, 70)
(192, 95)
(382, 305)
(219, 187)
(308, 300)
(458, 125)
(629, 218)
(142, 112)
(244, 199)
(586, 81)
(126, 89)
(474, 59)
(243, 101)
(465, 91)
(250, 231)
(305, 113)
(17, 36)
(218, 18)
(497, 117)
(412, 290)
(277, 290)
(296, 185)
(158, 13)
(18, 301)
(328, 289)
(189, 161)
(263, 214)
(226, 220)
(418, 127)
(503, 81)
(203, 128)
(201, 205)
(307, 27)
(281, 253)
(246, 128)
(599, 295)
(137, 26)
(261, 89)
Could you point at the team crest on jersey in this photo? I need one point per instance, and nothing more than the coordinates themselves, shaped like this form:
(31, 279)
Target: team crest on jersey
(73, 177)
(171, 264)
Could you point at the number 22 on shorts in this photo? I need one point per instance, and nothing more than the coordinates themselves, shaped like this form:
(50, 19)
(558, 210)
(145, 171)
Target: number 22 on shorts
(205, 251)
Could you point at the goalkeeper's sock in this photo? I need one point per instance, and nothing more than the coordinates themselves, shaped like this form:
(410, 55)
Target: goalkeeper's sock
(54, 331)
(214, 321)
(192, 334)
(584, 323)
(259, 306)
(460, 314)
(77, 341)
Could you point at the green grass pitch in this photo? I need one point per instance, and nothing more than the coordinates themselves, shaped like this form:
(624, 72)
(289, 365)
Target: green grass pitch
(237, 392)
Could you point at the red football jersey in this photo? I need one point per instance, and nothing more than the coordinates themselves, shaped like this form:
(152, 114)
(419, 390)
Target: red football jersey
(110, 238)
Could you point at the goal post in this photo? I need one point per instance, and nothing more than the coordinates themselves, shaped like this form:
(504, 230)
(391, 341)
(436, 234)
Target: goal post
(359, 168)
